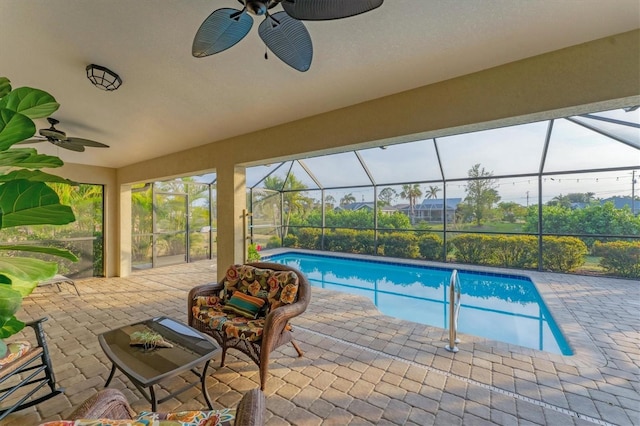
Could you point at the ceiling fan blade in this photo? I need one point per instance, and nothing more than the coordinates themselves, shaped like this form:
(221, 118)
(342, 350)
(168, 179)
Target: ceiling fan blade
(221, 30)
(69, 145)
(322, 10)
(288, 39)
(30, 141)
(86, 142)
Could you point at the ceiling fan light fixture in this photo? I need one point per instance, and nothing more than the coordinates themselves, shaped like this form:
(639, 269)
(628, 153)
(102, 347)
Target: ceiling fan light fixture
(103, 78)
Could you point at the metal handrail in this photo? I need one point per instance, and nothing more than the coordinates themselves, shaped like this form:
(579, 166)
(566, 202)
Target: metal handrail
(454, 311)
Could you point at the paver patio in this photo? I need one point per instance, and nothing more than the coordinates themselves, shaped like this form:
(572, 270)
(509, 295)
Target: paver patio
(361, 367)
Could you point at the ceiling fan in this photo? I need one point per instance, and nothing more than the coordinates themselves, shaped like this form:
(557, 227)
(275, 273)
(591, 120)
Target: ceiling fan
(59, 138)
(282, 32)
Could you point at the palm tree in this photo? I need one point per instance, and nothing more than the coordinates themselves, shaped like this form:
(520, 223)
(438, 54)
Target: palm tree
(411, 193)
(293, 199)
(432, 192)
(347, 199)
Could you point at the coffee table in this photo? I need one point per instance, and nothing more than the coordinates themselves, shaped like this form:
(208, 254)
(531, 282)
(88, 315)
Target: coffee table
(146, 368)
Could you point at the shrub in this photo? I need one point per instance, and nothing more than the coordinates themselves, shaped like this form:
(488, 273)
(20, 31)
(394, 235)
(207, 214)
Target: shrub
(563, 254)
(291, 241)
(252, 253)
(349, 241)
(619, 257)
(309, 238)
(471, 248)
(514, 251)
(430, 246)
(399, 244)
(274, 242)
(559, 254)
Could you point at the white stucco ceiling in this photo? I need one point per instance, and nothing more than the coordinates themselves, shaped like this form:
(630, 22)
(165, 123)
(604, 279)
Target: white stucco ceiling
(171, 101)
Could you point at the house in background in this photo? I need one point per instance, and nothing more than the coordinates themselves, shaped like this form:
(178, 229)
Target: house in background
(621, 202)
(430, 210)
(367, 206)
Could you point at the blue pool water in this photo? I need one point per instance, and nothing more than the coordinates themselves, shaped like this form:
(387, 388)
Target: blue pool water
(500, 307)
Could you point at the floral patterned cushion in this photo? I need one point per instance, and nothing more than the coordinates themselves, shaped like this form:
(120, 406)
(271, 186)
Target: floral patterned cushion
(277, 288)
(223, 417)
(231, 324)
(14, 351)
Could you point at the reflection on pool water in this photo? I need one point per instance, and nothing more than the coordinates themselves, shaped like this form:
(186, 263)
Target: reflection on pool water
(500, 307)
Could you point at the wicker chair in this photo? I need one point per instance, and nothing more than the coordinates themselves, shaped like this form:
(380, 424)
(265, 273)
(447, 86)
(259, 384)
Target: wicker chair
(112, 404)
(276, 331)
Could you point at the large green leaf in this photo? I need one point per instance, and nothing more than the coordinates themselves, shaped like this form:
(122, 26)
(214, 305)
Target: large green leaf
(38, 161)
(12, 157)
(10, 301)
(39, 249)
(14, 127)
(33, 176)
(25, 203)
(34, 103)
(26, 272)
(10, 327)
(5, 86)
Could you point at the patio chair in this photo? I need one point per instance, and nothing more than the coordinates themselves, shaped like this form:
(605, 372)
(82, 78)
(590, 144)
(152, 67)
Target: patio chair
(23, 377)
(110, 406)
(249, 310)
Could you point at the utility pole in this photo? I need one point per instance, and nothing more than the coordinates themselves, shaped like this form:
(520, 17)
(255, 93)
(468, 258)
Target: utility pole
(527, 198)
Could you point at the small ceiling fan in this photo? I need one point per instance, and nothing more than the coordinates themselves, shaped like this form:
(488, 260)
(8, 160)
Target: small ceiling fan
(59, 138)
(283, 32)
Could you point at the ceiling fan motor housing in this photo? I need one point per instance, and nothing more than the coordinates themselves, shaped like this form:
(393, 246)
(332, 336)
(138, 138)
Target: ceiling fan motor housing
(54, 134)
(258, 7)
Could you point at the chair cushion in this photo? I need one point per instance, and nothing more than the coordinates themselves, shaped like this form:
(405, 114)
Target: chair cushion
(244, 305)
(275, 287)
(192, 418)
(223, 417)
(15, 350)
(231, 324)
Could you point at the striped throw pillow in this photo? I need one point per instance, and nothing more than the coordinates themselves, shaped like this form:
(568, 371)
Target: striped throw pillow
(244, 304)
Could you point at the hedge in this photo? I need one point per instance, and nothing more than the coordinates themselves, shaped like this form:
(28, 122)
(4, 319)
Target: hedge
(559, 254)
(563, 254)
(619, 257)
(399, 244)
(431, 247)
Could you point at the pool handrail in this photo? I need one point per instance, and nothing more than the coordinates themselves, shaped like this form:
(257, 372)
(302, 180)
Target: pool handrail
(454, 311)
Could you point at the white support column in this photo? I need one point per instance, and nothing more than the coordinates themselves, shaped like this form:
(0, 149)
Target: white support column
(124, 237)
(231, 202)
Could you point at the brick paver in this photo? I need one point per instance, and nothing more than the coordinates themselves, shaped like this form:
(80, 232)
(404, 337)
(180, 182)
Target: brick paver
(361, 367)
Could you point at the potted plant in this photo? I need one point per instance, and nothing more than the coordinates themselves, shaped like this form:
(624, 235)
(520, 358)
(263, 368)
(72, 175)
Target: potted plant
(25, 200)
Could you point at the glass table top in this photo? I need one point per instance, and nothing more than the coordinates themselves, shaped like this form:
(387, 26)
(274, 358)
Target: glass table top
(149, 366)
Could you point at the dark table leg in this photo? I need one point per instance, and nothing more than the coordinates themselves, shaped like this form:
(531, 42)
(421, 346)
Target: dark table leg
(203, 377)
(154, 401)
(113, 371)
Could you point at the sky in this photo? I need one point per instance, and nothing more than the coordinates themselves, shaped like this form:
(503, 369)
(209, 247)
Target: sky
(509, 151)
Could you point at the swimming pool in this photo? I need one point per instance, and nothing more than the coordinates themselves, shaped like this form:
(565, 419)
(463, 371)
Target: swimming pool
(500, 307)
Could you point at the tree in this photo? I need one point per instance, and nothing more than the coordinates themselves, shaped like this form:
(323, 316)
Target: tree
(574, 197)
(481, 193)
(432, 192)
(347, 199)
(293, 199)
(330, 201)
(387, 196)
(411, 193)
(512, 211)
